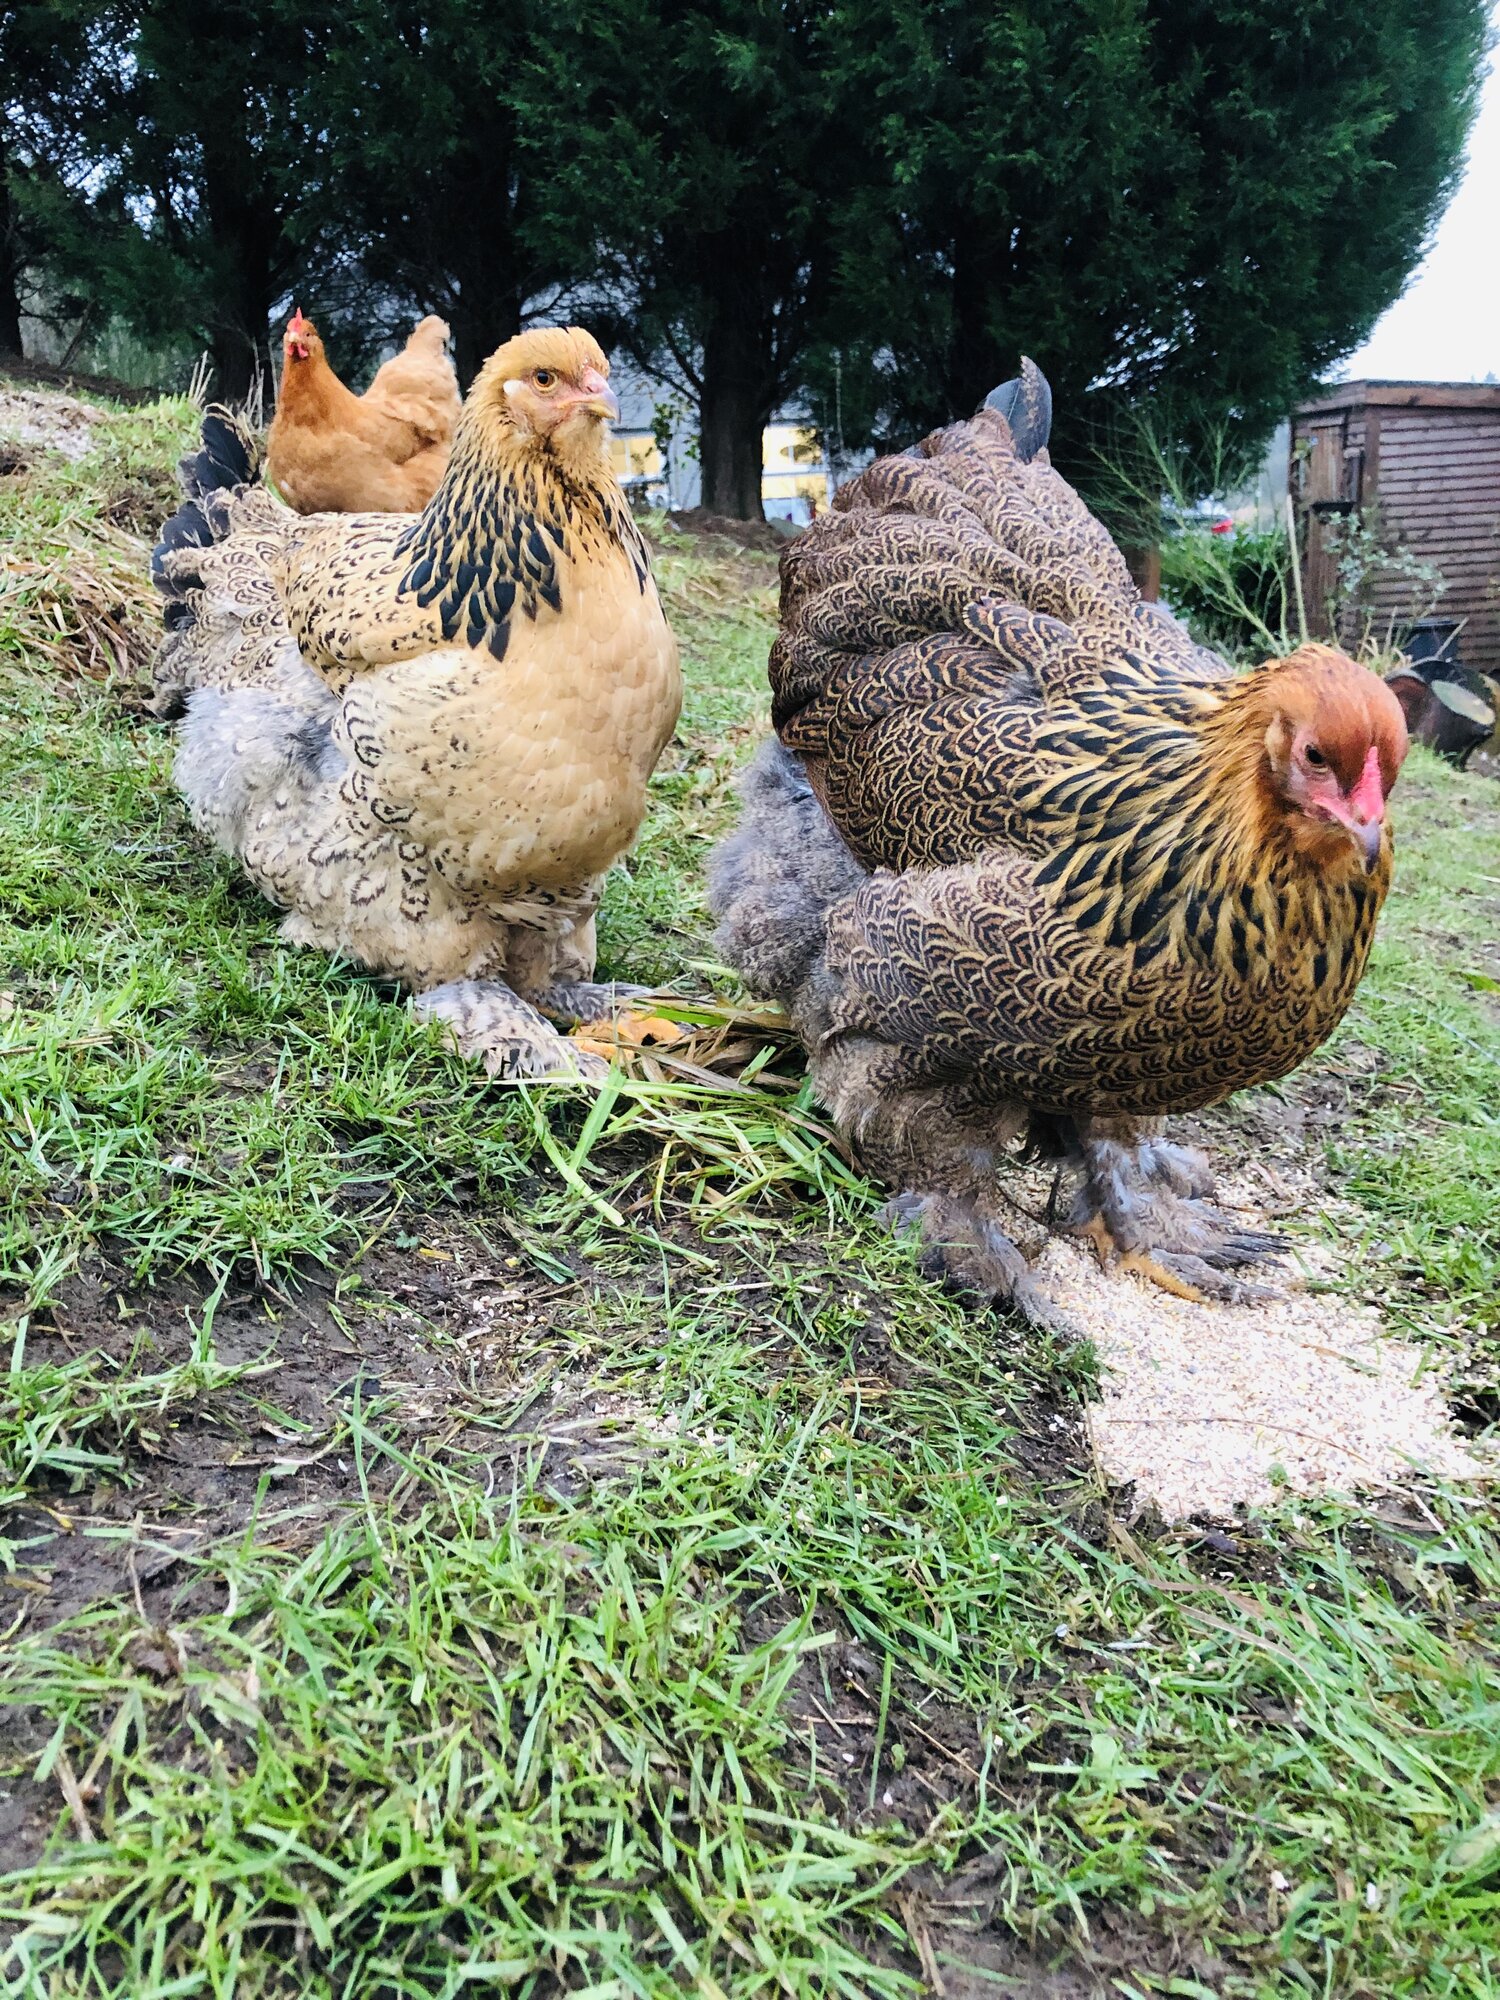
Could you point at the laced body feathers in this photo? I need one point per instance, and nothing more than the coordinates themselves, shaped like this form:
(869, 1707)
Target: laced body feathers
(1082, 892)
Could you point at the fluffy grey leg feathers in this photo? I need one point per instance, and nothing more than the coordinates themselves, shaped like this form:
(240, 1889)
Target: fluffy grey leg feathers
(239, 750)
(773, 882)
(972, 1256)
(1143, 1203)
(483, 1018)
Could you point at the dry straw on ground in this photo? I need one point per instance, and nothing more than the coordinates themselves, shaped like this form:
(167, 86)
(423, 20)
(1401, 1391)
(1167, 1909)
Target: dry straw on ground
(81, 586)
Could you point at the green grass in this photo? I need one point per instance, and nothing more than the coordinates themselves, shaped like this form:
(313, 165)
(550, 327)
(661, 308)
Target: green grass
(541, 1701)
(530, 1729)
(75, 1420)
(1424, 1160)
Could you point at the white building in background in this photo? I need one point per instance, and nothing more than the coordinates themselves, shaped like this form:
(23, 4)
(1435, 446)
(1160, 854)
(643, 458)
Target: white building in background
(654, 452)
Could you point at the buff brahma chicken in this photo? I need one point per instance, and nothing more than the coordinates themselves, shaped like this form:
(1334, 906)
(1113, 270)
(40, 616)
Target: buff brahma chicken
(428, 738)
(332, 452)
(1030, 869)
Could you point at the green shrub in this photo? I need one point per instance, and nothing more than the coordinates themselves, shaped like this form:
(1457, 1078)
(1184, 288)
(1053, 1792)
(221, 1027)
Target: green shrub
(1235, 590)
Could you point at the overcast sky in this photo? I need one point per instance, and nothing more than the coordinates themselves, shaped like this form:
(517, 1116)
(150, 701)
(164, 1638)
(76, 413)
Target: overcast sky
(1446, 325)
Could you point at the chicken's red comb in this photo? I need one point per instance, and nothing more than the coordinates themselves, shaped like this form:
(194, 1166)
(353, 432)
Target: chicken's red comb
(297, 324)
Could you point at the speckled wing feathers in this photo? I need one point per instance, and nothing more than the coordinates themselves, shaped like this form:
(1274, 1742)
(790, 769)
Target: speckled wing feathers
(955, 585)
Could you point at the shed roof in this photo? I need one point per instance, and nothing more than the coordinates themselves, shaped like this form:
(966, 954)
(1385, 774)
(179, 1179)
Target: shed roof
(1403, 396)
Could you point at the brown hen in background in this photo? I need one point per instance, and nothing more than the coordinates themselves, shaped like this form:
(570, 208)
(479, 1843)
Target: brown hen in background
(428, 738)
(1030, 868)
(332, 452)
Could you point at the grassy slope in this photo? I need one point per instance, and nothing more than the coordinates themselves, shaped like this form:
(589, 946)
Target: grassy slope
(497, 1722)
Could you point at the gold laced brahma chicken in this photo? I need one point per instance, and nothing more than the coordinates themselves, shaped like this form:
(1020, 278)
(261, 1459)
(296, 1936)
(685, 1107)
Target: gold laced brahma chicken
(1030, 869)
(429, 737)
(332, 452)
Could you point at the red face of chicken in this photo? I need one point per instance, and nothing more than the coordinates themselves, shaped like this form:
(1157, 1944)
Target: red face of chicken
(1335, 747)
(300, 334)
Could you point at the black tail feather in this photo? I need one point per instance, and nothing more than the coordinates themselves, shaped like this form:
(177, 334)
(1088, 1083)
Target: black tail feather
(1025, 402)
(230, 456)
(227, 459)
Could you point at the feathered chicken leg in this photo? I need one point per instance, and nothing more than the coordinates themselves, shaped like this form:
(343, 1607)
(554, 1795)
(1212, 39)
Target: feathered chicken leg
(1144, 1206)
(490, 1022)
(557, 976)
(969, 1251)
(946, 1159)
(508, 1024)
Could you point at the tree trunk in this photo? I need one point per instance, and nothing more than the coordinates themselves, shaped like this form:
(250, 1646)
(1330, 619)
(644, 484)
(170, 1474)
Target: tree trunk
(472, 253)
(10, 270)
(733, 410)
(238, 337)
(483, 317)
(976, 363)
(245, 230)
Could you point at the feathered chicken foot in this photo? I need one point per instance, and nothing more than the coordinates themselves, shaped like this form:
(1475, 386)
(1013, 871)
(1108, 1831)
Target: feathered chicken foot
(973, 1256)
(600, 1023)
(486, 1019)
(1140, 1262)
(1143, 1207)
(945, 1156)
(580, 1003)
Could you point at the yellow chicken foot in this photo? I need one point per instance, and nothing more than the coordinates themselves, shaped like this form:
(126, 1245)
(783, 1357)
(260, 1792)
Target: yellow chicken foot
(1144, 1265)
(1140, 1262)
(623, 1035)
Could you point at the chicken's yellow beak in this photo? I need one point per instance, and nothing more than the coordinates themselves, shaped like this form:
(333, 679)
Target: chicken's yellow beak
(597, 395)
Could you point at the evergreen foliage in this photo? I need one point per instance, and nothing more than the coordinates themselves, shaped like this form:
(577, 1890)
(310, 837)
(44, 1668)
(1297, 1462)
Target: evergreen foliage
(871, 207)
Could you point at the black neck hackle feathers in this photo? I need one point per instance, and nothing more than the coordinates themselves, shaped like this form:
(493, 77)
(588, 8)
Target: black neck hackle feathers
(494, 540)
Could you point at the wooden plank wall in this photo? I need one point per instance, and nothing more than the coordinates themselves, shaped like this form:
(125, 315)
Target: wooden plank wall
(1328, 460)
(1421, 464)
(1436, 480)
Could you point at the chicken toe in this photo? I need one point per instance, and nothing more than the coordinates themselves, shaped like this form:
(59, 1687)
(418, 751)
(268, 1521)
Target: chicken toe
(1189, 1277)
(585, 1002)
(483, 1018)
(1143, 1207)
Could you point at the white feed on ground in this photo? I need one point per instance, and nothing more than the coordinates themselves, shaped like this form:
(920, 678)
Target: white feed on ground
(1209, 1409)
(52, 422)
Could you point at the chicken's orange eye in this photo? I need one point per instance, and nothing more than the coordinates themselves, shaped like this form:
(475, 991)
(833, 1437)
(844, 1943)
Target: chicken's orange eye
(544, 378)
(1315, 757)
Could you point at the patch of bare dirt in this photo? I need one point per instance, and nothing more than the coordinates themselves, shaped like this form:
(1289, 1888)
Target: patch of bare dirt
(768, 537)
(31, 419)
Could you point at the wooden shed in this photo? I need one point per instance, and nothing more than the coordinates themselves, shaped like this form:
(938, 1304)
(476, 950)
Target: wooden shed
(1419, 464)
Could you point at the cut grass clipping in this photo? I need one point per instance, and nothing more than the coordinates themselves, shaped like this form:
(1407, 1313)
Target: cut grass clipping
(753, 1625)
